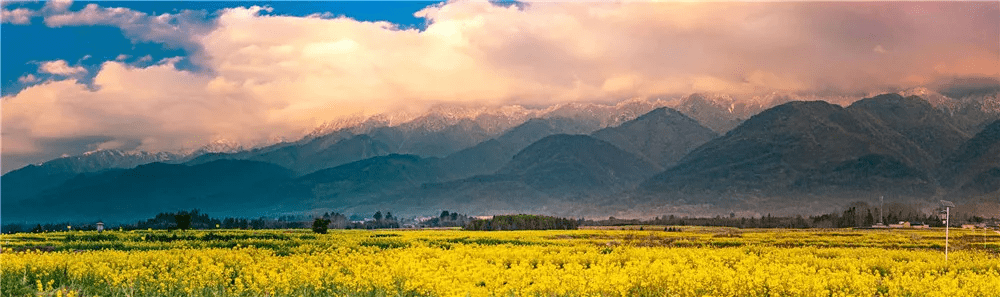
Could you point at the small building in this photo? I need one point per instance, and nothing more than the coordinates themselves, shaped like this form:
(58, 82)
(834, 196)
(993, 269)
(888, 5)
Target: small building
(900, 225)
(100, 227)
(919, 225)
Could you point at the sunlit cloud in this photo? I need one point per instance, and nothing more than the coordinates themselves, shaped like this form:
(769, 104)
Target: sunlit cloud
(27, 79)
(171, 29)
(268, 76)
(19, 16)
(61, 67)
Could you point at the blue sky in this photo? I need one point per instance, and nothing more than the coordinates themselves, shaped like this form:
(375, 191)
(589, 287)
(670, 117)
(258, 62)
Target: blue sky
(21, 50)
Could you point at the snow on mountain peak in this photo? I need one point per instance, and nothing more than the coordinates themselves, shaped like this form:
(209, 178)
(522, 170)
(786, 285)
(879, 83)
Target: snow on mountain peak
(221, 146)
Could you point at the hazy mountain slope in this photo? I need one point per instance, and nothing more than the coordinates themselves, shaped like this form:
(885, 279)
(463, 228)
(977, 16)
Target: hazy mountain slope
(488, 156)
(230, 186)
(662, 136)
(369, 179)
(975, 165)
(803, 147)
(324, 153)
(576, 163)
(33, 179)
(430, 138)
(557, 173)
(935, 133)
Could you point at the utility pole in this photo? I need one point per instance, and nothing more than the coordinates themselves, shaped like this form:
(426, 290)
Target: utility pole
(947, 222)
(881, 205)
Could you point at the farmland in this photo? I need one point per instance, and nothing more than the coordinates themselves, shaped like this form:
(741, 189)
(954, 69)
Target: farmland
(612, 261)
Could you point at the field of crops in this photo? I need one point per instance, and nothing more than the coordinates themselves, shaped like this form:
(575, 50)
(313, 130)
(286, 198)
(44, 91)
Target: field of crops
(695, 261)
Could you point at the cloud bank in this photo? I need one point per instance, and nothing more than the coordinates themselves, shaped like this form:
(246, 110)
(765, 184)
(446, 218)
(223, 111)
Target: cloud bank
(268, 76)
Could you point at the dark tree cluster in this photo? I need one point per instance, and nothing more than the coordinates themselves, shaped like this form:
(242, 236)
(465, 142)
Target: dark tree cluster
(767, 221)
(320, 225)
(196, 220)
(447, 219)
(857, 215)
(861, 215)
(522, 222)
(39, 228)
(379, 221)
(183, 220)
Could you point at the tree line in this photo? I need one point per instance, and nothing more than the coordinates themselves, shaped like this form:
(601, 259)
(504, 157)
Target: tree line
(522, 222)
(856, 215)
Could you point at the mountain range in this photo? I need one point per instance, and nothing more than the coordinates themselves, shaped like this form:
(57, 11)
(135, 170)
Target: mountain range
(577, 159)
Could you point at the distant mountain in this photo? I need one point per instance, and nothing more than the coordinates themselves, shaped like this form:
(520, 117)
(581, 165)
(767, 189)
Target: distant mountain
(370, 179)
(577, 163)
(559, 173)
(661, 137)
(226, 186)
(429, 139)
(718, 112)
(33, 179)
(975, 167)
(487, 157)
(446, 129)
(885, 143)
(570, 159)
(344, 146)
(934, 133)
(323, 153)
(438, 133)
(597, 116)
(972, 109)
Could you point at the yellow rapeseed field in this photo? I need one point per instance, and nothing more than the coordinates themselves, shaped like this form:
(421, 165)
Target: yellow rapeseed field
(694, 262)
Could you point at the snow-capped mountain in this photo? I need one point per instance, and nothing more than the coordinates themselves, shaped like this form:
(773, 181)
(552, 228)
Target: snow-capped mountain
(220, 146)
(973, 111)
(721, 112)
(493, 120)
(604, 115)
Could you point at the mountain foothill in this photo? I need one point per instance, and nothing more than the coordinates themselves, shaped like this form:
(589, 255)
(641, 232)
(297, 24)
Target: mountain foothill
(702, 155)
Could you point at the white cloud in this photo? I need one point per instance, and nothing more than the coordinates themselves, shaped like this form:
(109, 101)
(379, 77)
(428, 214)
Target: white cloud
(27, 79)
(161, 108)
(169, 61)
(122, 57)
(172, 29)
(57, 6)
(60, 67)
(19, 16)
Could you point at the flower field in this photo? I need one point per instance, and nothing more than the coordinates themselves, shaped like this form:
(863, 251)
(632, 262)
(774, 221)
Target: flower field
(695, 261)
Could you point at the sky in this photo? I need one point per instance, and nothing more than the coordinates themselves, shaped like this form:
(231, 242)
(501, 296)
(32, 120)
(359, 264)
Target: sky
(169, 76)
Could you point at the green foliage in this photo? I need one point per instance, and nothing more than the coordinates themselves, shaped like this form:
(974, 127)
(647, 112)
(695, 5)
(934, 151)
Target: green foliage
(320, 225)
(522, 222)
(183, 221)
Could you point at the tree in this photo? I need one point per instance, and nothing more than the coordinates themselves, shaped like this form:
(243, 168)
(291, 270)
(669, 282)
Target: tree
(320, 225)
(183, 221)
(445, 214)
(378, 216)
(388, 216)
